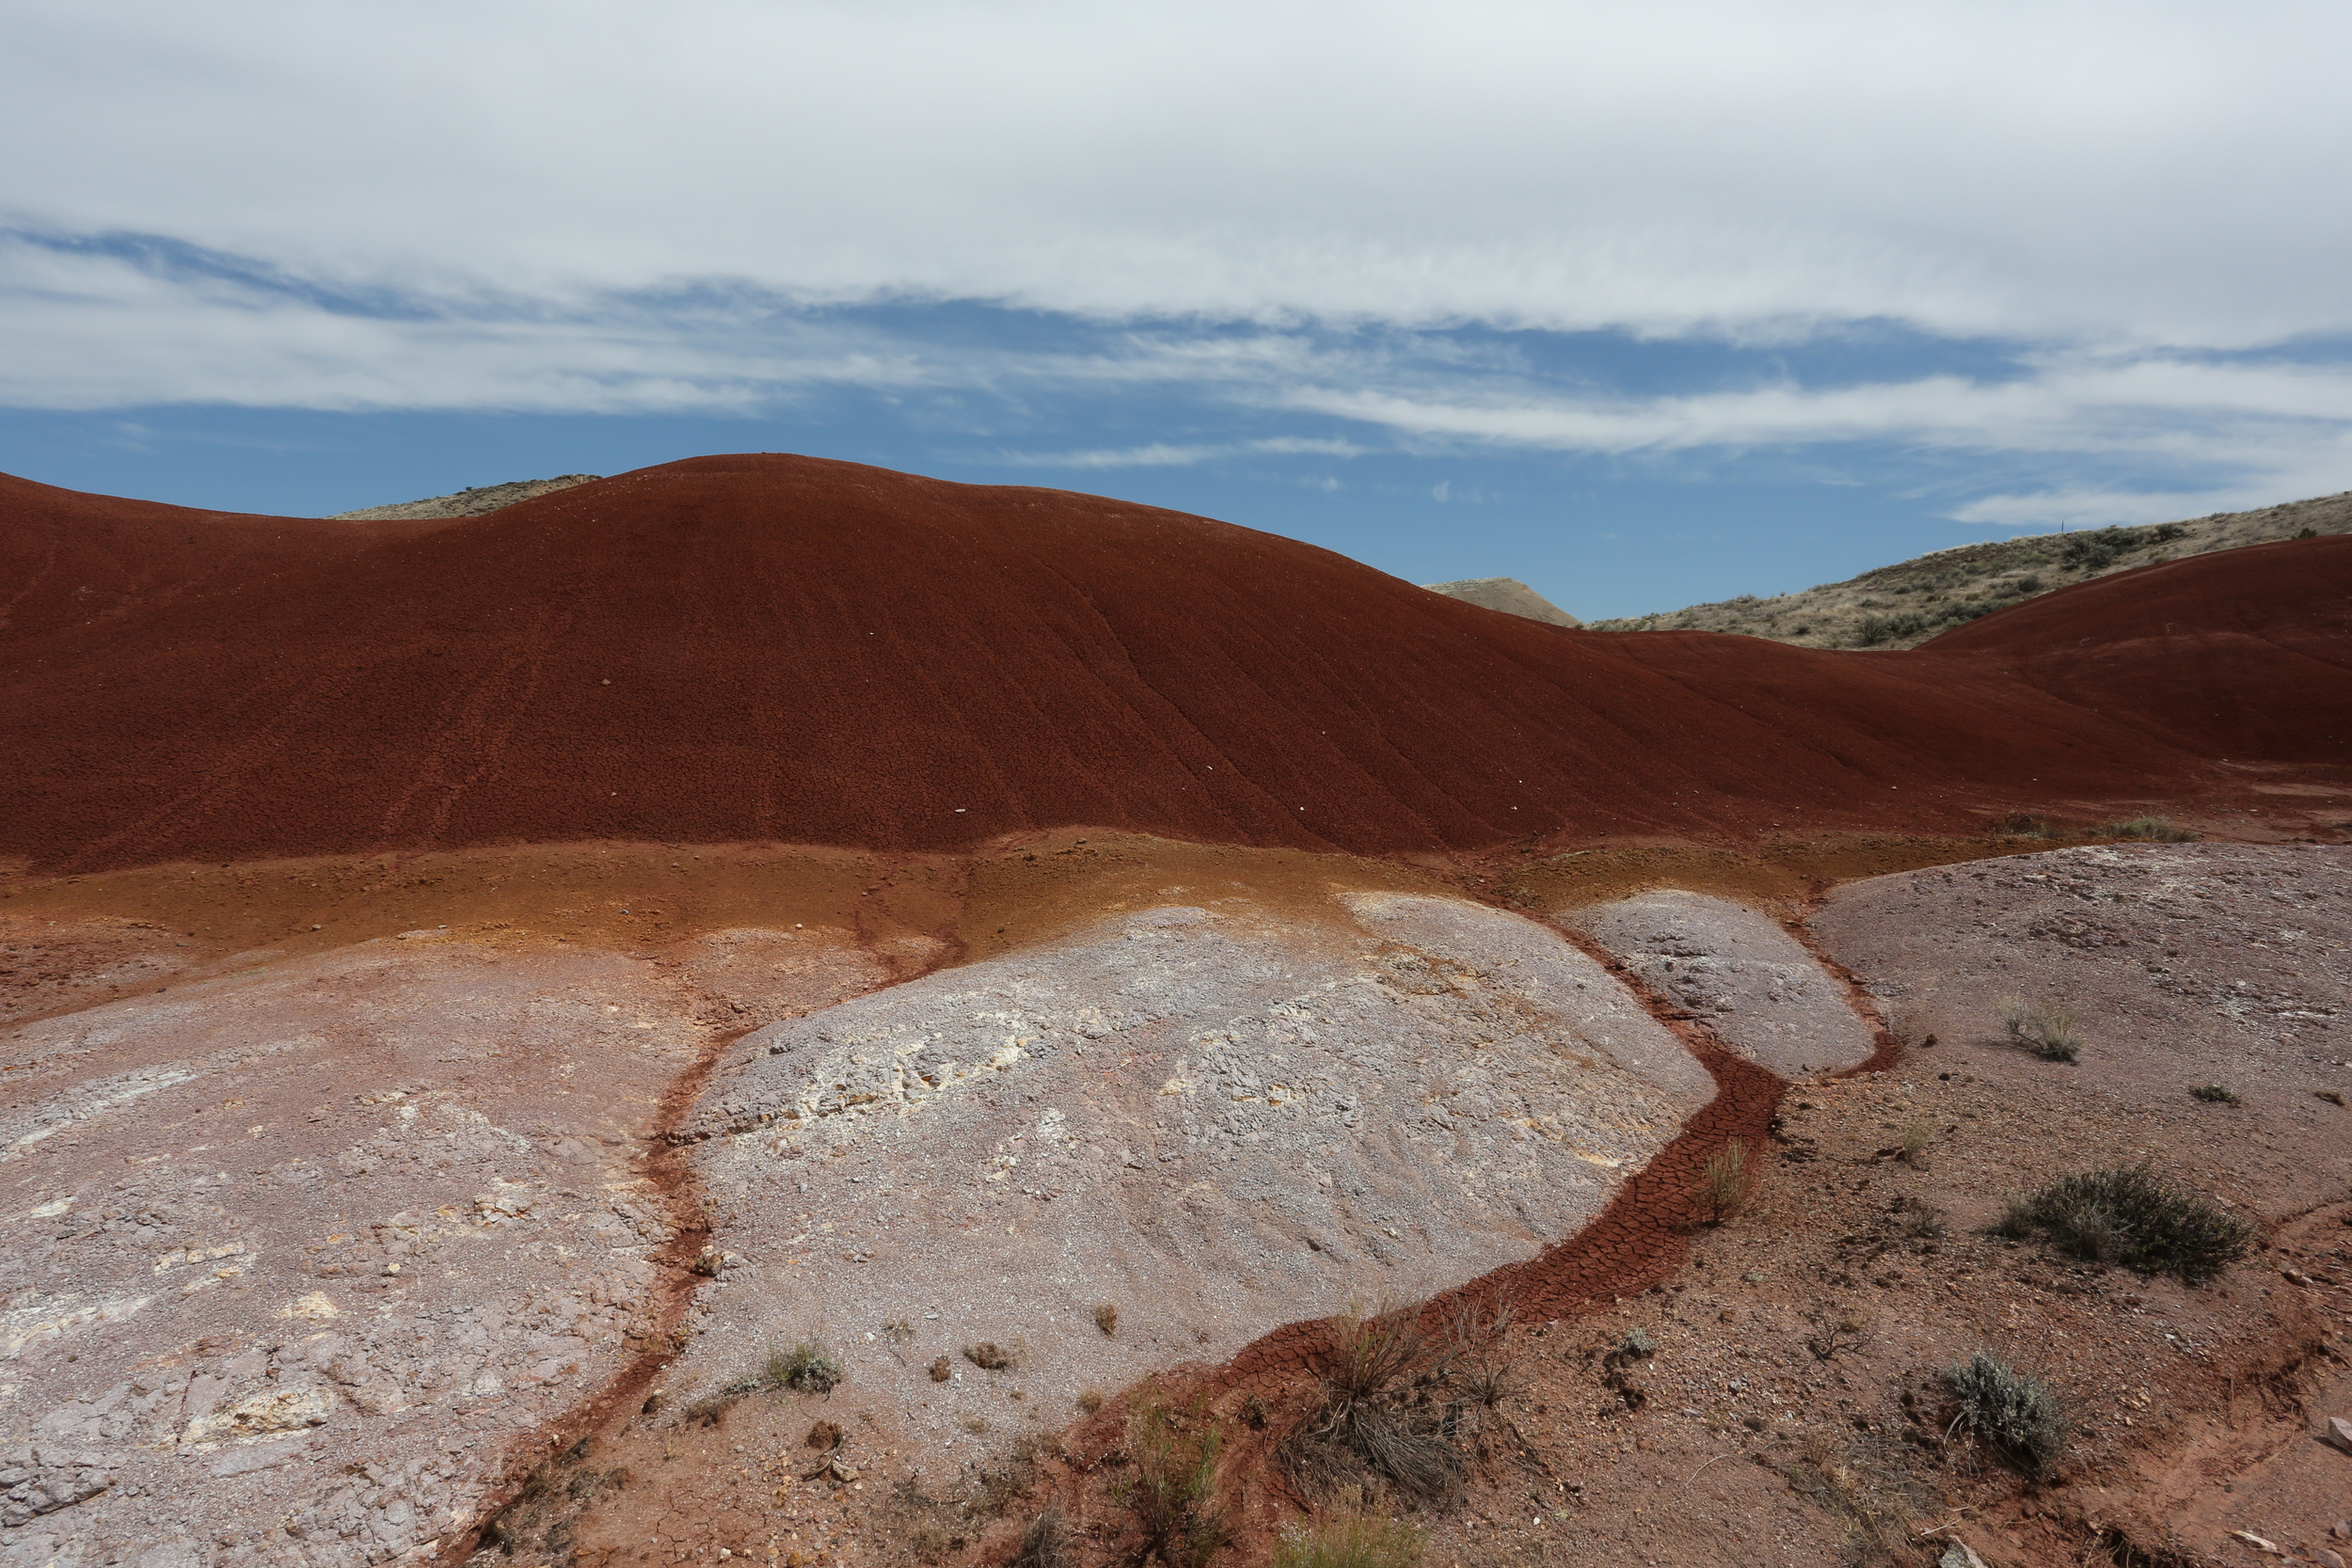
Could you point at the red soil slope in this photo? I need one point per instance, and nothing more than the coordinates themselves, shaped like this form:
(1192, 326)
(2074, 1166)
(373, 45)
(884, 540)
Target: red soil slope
(784, 648)
(2243, 654)
(68, 559)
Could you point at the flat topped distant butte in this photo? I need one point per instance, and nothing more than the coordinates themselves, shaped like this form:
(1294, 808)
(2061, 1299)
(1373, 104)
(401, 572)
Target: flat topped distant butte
(1507, 594)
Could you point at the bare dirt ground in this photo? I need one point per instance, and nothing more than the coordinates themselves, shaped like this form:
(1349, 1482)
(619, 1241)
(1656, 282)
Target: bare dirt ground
(496, 1391)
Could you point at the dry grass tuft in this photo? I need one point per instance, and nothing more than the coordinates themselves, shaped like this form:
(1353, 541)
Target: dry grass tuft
(1374, 1431)
(1106, 1319)
(1170, 1497)
(2151, 829)
(1866, 1488)
(1725, 1186)
(1350, 1541)
(807, 1367)
(1044, 1544)
(2043, 1028)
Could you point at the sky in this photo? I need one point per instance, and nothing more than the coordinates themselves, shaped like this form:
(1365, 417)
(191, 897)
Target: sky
(1642, 304)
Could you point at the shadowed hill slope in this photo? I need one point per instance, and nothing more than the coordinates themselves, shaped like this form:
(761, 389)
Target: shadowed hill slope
(789, 649)
(2245, 654)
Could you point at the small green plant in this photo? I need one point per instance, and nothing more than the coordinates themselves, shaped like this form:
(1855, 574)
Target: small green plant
(2045, 1030)
(1638, 1346)
(2153, 830)
(807, 1367)
(1724, 1184)
(1350, 1541)
(2018, 1415)
(2215, 1094)
(2131, 1217)
(1171, 1492)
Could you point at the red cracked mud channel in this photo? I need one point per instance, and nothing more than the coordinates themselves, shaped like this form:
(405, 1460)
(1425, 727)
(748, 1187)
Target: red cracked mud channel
(1637, 1240)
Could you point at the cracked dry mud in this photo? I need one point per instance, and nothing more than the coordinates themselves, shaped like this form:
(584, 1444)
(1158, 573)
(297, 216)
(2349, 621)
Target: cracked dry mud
(344, 1256)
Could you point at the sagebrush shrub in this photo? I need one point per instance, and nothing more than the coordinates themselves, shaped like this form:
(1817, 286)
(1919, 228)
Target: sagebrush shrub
(2015, 1413)
(807, 1367)
(2131, 1217)
(2151, 829)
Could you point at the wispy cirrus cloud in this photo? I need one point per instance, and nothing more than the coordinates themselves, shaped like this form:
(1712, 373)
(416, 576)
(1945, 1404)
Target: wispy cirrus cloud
(1160, 454)
(118, 322)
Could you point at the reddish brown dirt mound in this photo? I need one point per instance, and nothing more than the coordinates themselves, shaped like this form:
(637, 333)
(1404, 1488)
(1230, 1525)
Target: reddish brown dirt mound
(68, 559)
(2243, 654)
(783, 648)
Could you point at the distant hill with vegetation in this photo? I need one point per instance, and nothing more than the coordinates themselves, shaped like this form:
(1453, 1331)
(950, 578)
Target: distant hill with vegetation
(1904, 605)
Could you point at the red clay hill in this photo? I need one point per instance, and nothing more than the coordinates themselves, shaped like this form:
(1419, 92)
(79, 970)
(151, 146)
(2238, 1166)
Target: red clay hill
(794, 650)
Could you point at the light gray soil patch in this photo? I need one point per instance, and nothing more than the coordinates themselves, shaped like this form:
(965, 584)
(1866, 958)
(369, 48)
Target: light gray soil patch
(2190, 964)
(1214, 1126)
(294, 1261)
(1763, 994)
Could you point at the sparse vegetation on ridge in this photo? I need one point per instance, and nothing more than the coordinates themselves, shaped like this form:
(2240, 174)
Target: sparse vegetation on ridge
(1905, 604)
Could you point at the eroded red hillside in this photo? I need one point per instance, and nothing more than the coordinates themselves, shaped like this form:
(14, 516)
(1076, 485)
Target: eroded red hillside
(785, 648)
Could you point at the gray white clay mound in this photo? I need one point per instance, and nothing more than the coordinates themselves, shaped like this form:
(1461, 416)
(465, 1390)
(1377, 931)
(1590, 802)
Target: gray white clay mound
(1214, 1125)
(1754, 984)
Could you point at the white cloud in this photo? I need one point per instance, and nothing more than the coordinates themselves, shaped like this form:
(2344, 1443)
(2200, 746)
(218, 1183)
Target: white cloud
(2151, 172)
(1160, 454)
